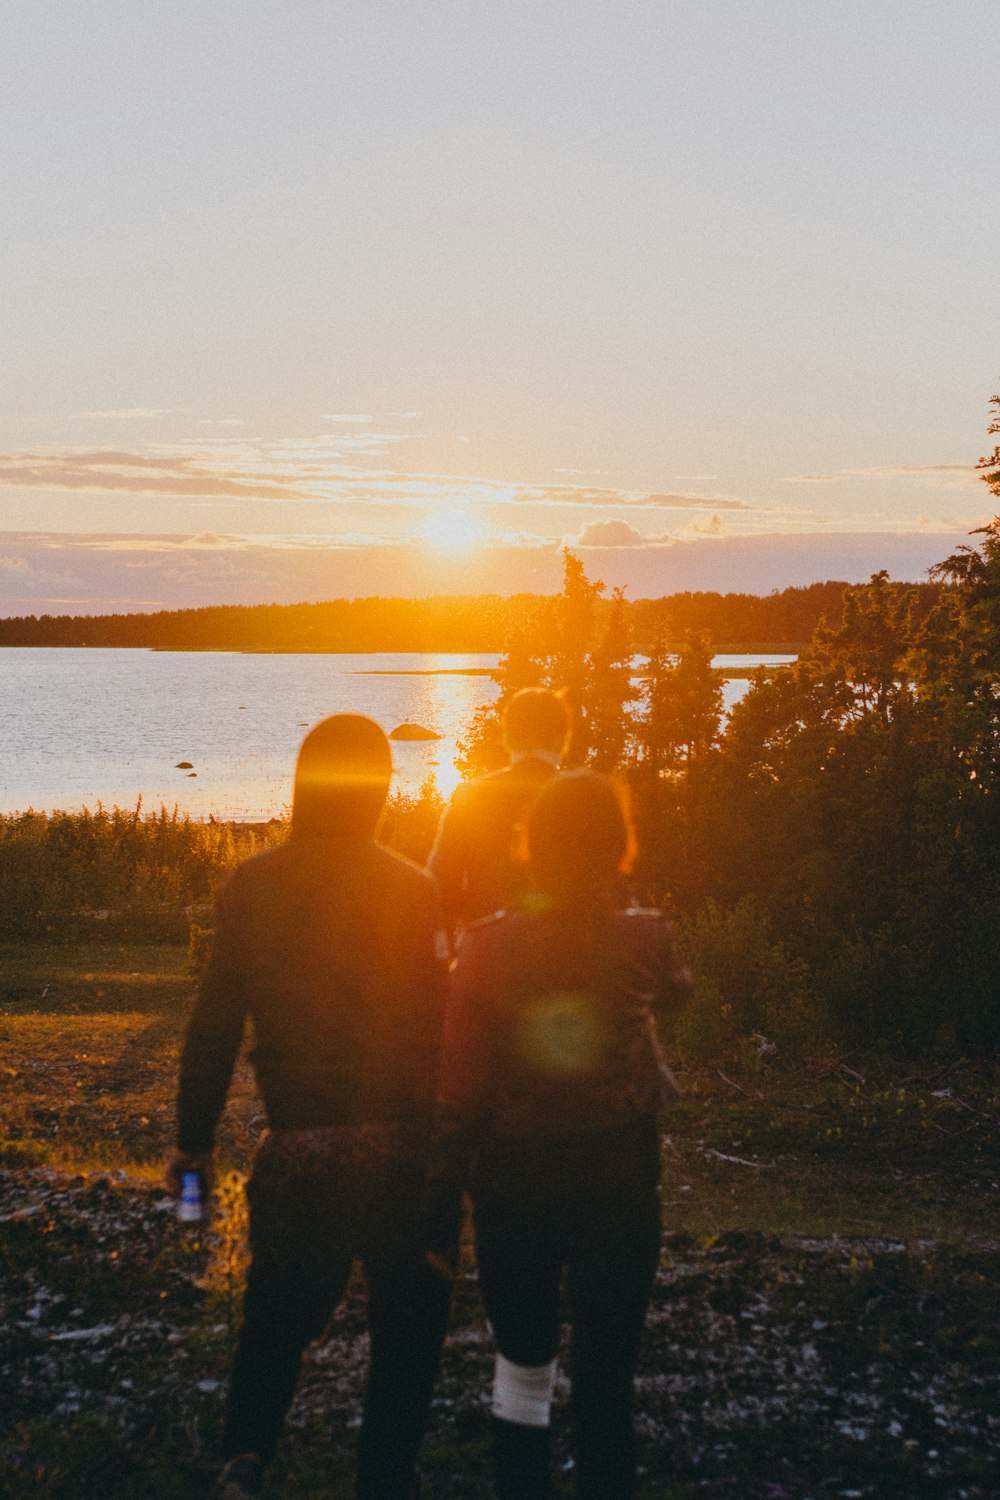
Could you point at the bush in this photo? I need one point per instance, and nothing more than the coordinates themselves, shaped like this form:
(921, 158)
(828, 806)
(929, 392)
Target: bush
(746, 984)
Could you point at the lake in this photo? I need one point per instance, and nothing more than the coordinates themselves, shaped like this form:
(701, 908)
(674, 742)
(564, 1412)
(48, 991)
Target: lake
(80, 726)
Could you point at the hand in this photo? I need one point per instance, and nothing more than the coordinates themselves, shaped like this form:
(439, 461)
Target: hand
(179, 1162)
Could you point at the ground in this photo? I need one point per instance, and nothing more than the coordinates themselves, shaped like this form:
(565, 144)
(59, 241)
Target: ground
(826, 1320)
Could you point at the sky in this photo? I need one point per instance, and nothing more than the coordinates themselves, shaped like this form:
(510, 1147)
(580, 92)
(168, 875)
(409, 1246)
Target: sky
(318, 300)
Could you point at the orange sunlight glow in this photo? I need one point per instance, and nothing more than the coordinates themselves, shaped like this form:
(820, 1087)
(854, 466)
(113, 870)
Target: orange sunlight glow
(452, 531)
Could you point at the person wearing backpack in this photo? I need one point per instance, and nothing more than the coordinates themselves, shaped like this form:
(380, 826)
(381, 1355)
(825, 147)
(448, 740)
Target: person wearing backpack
(552, 1080)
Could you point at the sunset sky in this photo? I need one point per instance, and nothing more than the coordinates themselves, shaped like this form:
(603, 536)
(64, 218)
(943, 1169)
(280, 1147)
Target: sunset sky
(312, 299)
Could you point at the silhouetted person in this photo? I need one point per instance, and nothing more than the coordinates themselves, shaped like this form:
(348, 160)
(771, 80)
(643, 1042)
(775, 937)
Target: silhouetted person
(331, 946)
(476, 859)
(551, 1083)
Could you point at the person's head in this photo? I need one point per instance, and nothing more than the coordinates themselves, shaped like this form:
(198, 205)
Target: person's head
(580, 838)
(341, 778)
(536, 720)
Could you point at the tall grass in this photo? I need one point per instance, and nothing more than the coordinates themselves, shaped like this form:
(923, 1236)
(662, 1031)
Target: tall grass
(123, 874)
(115, 873)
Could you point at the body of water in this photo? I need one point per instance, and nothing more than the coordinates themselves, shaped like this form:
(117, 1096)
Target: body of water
(80, 726)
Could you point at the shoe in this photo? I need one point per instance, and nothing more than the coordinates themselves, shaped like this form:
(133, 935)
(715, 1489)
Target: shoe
(240, 1479)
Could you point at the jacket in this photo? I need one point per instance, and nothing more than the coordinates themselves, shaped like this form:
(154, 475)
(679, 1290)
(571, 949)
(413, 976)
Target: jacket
(332, 950)
(550, 1028)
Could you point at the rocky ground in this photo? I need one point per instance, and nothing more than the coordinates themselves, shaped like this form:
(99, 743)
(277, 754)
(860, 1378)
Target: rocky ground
(778, 1369)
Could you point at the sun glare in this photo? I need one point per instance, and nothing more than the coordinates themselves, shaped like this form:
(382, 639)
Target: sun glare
(452, 531)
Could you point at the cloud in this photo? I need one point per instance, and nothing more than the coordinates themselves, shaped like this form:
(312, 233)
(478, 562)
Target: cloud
(123, 414)
(331, 468)
(565, 494)
(617, 534)
(136, 474)
(708, 526)
(966, 472)
(221, 422)
(346, 416)
(698, 502)
(97, 573)
(612, 533)
(945, 525)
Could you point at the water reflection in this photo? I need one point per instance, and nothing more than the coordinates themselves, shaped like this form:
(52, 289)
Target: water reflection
(81, 727)
(444, 702)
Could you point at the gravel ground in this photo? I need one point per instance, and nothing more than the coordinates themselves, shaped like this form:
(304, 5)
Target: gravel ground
(785, 1370)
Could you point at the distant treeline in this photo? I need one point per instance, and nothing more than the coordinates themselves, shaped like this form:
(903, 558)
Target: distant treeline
(473, 623)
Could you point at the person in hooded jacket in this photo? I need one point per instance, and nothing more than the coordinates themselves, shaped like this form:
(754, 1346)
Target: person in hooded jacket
(331, 947)
(552, 1079)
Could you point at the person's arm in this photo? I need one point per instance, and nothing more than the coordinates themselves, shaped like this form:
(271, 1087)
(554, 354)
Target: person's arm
(211, 1047)
(464, 1091)
(427, 956)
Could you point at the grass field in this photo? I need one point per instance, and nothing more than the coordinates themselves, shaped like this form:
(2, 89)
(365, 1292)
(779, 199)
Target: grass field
(827, 1319)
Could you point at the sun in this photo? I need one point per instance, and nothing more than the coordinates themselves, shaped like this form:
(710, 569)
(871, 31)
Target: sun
(452, 531)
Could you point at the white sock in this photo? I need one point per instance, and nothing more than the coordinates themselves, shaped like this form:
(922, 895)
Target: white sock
(523, 1393)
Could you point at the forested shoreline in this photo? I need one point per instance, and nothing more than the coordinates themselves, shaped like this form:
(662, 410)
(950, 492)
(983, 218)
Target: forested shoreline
(831, 850)
(780, 621)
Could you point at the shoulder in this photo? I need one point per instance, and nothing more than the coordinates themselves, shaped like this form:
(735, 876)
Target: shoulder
(254, 874)
(403, 884)
(399, 872)
(469, 793)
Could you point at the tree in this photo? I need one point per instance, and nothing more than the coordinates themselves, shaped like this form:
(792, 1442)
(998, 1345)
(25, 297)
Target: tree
(610, 690)
(579, 643)
(683, 703)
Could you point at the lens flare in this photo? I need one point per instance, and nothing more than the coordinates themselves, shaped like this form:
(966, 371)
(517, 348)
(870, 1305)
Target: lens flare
(564, 1035)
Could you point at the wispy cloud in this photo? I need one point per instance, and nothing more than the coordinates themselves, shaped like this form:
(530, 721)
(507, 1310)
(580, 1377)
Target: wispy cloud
(122, 414)
(328, 466)
(700, 502)
(346, 416)
(342, 468)
(966, 472)
(136, 474)
(707, 526)
(563, 494)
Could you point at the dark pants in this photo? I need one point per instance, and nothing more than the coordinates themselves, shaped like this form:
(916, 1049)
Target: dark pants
(589, 1210)
(318, 1199)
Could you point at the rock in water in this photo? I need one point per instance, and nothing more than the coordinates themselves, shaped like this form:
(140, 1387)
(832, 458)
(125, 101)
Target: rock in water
(413, 732)
(184, 765)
